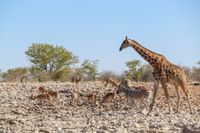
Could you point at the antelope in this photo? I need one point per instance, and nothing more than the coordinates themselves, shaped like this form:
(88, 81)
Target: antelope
(74, 98)
(109, 97)
(42, 90)
(76, 80)
(111, 81)
(53, 94)
(42, 97)
(92, 97)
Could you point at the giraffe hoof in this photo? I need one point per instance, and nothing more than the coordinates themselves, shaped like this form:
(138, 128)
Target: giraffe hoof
(148, 114)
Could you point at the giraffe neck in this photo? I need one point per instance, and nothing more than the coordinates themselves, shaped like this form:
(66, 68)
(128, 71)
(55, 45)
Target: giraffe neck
(153, 58)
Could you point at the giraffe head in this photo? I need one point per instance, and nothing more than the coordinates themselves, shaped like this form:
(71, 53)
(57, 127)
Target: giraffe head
(125, 44)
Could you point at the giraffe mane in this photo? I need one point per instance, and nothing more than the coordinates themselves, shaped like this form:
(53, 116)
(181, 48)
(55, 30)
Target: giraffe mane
(147, 49)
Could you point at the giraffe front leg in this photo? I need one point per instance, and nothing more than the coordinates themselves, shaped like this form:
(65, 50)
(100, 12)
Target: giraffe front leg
(178, 94)
(156, 84)
(164, 85)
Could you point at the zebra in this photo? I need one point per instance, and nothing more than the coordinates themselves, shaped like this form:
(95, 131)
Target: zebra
(134, 93)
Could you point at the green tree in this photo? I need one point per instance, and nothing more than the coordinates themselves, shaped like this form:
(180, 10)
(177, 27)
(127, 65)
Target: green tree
(49, 58)
(89, 69)
(134, 70)
(15, 74)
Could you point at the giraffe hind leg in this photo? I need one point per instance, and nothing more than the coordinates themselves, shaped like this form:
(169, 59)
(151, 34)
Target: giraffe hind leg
(183, 87)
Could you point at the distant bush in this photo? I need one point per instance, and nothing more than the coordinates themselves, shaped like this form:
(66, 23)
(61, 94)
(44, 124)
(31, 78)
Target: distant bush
(15, 74)
(147, 71)
(62, 75)
(43, 77)
(192, 73)
(106, 74)
(195, 75)
(187, 70)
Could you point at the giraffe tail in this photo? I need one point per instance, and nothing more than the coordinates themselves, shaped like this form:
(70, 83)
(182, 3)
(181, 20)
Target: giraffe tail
(195, 84)
(192, 83)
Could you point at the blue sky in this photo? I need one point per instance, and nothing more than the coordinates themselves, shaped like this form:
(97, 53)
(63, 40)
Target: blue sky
(95, 29)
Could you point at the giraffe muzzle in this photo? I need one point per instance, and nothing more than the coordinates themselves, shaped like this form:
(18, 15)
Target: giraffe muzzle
(120, 49)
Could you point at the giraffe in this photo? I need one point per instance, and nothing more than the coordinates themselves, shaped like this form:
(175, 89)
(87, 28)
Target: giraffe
(164, 72)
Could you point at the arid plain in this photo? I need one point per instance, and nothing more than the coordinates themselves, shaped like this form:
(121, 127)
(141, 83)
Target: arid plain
(20, 112)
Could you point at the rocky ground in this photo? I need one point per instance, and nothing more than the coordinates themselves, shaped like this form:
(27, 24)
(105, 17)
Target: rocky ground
(20, 113)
